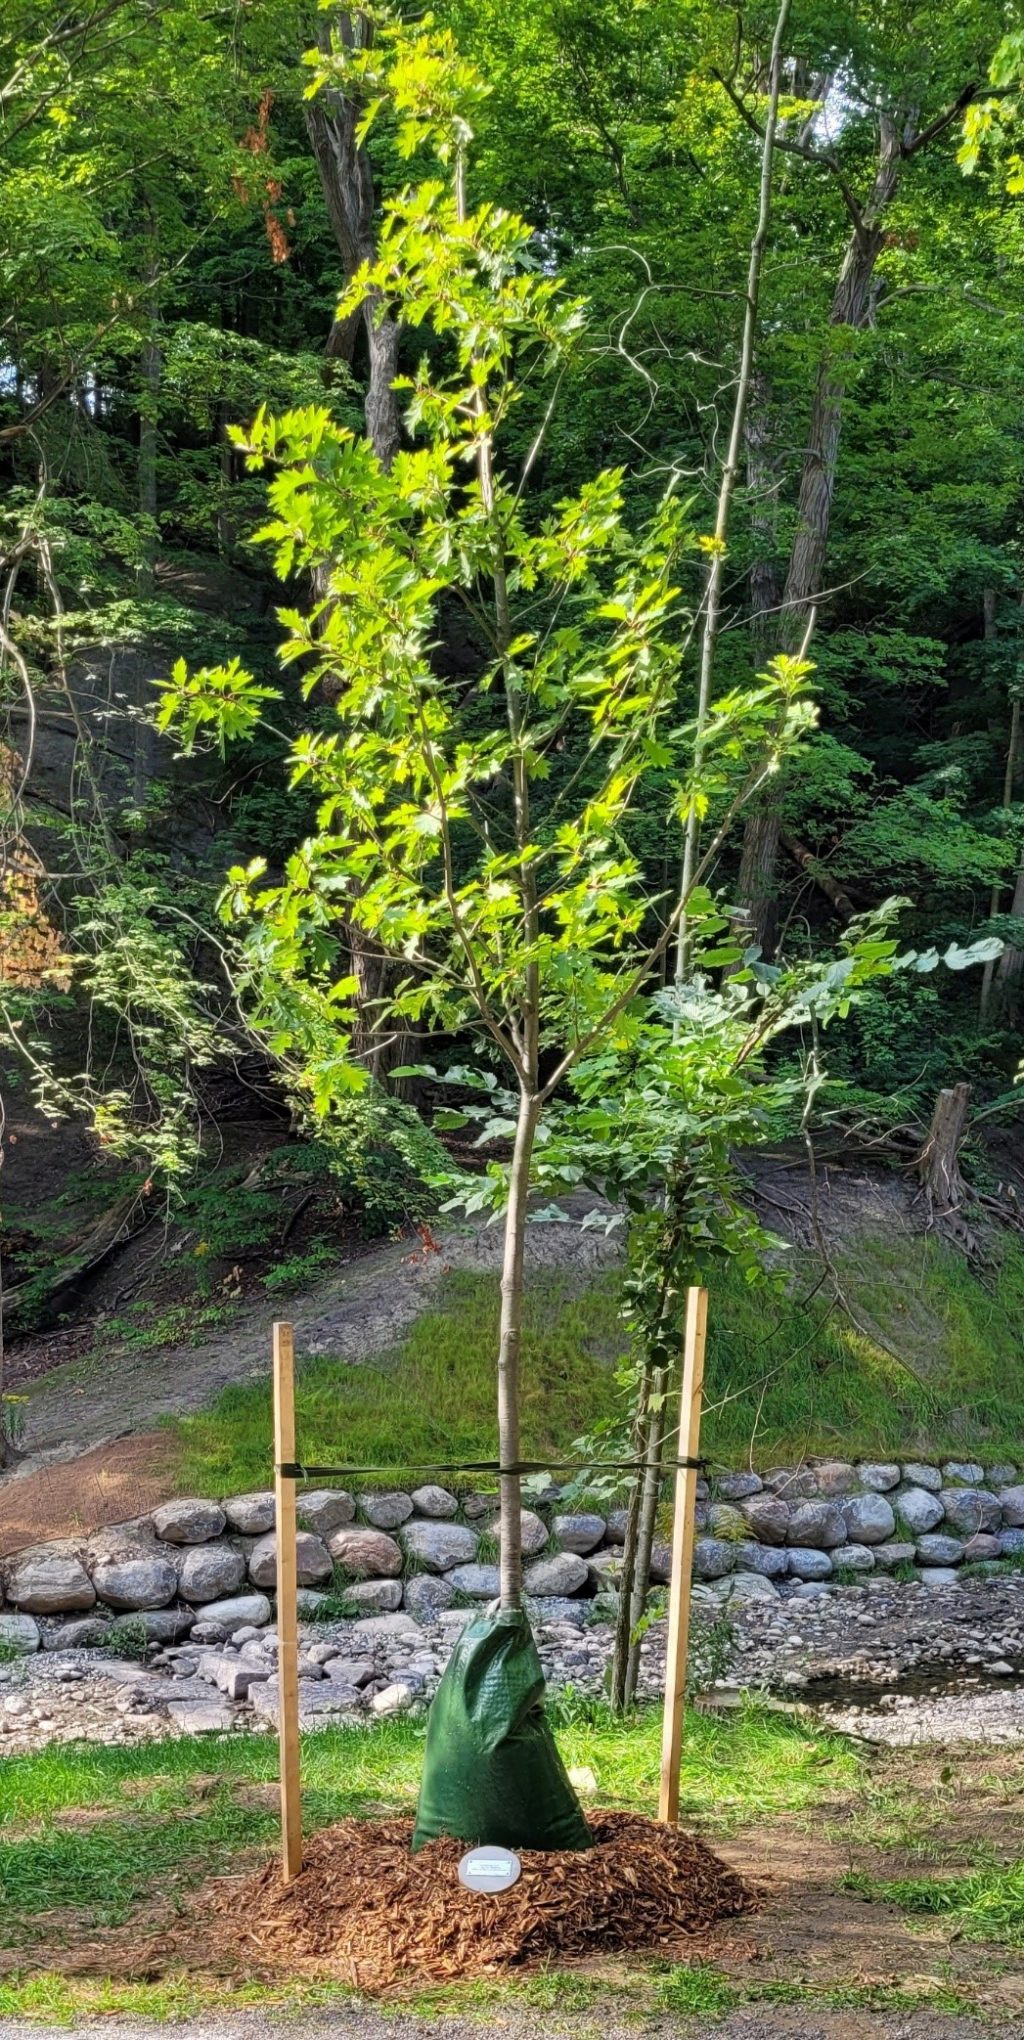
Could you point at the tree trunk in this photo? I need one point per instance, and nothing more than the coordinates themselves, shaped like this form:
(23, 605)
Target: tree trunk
(509, 1343)
(1010, 968)
(1011, 960)
(938, 1164)
(822, 877)
(650, 1489)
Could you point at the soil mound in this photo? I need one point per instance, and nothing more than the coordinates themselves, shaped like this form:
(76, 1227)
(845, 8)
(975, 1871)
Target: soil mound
(365, 1909)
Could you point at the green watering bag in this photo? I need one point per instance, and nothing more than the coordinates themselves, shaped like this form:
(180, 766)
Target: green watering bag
(492, 1772)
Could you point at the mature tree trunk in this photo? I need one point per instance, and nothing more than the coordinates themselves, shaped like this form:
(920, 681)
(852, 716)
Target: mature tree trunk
(1012, 959)
(938, 1164)
(1010, 968)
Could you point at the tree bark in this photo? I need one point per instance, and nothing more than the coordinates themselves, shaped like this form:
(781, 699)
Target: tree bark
(938, 1164)
(1011, 961)
(819, 872)
(509, 1346)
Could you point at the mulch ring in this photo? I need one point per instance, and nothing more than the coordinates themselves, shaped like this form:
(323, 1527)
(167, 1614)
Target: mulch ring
(365, 1910)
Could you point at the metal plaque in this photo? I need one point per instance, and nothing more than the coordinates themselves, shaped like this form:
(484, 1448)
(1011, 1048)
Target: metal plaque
(488, 1869)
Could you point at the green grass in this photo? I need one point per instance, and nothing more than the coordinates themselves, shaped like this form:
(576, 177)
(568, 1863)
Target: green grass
(788, 1377)
(985, 1905)
(432, 1398)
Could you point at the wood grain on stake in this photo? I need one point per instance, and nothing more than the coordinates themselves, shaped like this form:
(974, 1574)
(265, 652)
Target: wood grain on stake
(683, 1521)
(287, 1604)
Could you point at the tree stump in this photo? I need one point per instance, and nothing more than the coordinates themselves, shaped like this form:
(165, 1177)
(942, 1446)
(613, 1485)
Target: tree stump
(938, 1164)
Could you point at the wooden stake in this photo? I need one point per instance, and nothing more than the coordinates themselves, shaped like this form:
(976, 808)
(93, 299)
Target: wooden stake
(682, 1554)
(287, 1605)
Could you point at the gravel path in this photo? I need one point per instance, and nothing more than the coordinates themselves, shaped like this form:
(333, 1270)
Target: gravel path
(362, 2023)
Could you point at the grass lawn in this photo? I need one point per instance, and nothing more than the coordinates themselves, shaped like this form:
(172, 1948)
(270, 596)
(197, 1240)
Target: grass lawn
(102, 1845)
(784, 1377)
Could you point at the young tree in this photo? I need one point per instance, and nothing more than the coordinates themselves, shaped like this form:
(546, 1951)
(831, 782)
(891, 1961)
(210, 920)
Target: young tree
(478, 831)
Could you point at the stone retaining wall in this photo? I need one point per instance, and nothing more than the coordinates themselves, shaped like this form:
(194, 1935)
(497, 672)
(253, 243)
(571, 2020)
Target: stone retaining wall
(206, 1567)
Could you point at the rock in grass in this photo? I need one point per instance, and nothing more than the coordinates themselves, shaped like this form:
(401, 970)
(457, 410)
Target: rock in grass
(835, 1477)
(1011, 1501)
(919, 1509)
(580, 1533)
(365, 1554)
(852, 1558)
(437, 1547)
(1000, 1476)
(251, 1515)
(19, 1632)
(313, 1560)
(210, 1572)
(325, 1509)
(436, 1502)
(42, 1581)
(937, 1550)
(920, 1475)
(394, 1699)
(387, 1511)
(478, 1582)
(136, 1582)
(428, 1594)
(968, 1510)
(189, 1522)
(738, 1487)
(532, 1529)
(965, 1472)
(373, 1597)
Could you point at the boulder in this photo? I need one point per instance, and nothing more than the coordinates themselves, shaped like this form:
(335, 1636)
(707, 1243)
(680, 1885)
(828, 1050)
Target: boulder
(387, 1511)
(738, 1487)
(965, 1472)
(982, 1548)
(308, 1602)
(42, 1581)
(615, 1526)
(1011, 1543)
(563, 1574)
(532, 1529)
(386, 1625)
(551, 1608)
(19, 1632)
(605, 1569)
(312, 1559)
(661, 1564)
(325, 1509)
(478, 1582)
(394, 1699)
(770, 1560)
(941, 1551)
(426, 1596)
(373, 1597)
(918, 1510)
(580, 1533)
(869, 1519)
(766, 1517)
(241, 1608)
(1011, 1501)
(713, 1557)
(1000, 1476)
(852, 1558)
(968, 1510)
(434, 1501)
(920, 1475)
(251, 1515)
(135, 1582)
(793, 1484)
(747, 1586)
(893, 1553)
(835, 1477)
(817, 1526)
(437, 1547)
(83, 1632)
(348, 1671)
(808, 1562)
(937, 1576)
(365, 1554)
(475, 1506)
(189, 1522)
(159, 1625)
(723, 1520)
(211, 1572)
(878, 1476)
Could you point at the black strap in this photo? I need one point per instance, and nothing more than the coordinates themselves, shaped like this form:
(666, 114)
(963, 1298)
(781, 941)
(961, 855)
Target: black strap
(296, 1470)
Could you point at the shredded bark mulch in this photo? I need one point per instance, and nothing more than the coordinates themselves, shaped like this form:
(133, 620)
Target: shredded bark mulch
(365, 1909)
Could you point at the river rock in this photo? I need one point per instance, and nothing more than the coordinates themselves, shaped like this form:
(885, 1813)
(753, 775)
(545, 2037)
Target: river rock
(835, 1477)
(969, 1510)
(738, 1487)
(807, 1562)
(136, 1582)
(918, 1510)
(436, 1547)
(251, 1515)
(713, 1558)
(435, 1502)
(394, 1699)
(770, 1560)
(312, 1559)
(564, 1573)
(723, 1520)
(981, 1548)
(1011, 1543)
(605, 1570)
(966, 1472)
(238, 1610)
(747, 1586)
(547, 1609)
(325, 1509)
(792, 1483)
(426, 1595)
(661, 1564)
(82, 1632)
(1000, 1476)
(869, 1519)
(767, 1517)
(189, 1522)
(365, 1554)
(385, 1625)
(475, 1506)
(615, 1526)
(920, 1475)
(19, 1632)
(941, 1551)
(373, 1597)
(938, 1576)
(878, 1476)
(211, 1572)
(42, 1581)
(893, 1553)
(479, 1582)
(532, 1529)
(580, 1533)
(1011, 1501)
(819, 1526)
(387, 1511)
(853, 1558)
